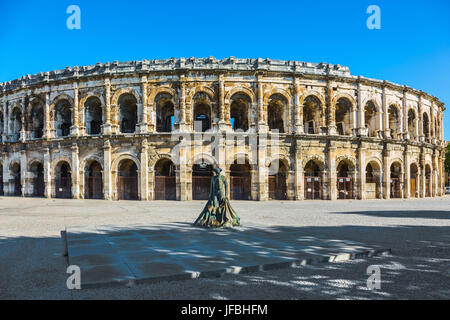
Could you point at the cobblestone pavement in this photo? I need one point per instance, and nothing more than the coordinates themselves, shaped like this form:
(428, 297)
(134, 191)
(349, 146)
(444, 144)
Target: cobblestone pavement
(417, 231)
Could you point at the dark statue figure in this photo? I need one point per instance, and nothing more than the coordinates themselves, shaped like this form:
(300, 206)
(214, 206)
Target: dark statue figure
(218, 211)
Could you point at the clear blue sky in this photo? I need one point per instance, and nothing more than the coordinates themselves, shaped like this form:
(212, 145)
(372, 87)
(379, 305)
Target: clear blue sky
(412, 47)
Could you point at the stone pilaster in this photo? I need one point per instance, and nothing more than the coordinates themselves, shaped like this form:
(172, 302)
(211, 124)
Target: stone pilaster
(331, 110)
(332, 171)
(222, 122)
(23, 172)
(106, 127)
(263, 169)
(386, 176)
(298, 109)
(75, 172)
(385, 107)
(362, 171)
(107, 177)
(47, 173)
(74, 129)
(144, 170)
(143, 125)
(5, 119)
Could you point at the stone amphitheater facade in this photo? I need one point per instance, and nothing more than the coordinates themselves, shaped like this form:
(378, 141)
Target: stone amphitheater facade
(152, 129)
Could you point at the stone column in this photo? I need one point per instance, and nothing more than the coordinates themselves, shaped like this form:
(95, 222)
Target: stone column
(420, 117)
(262, 170)
(298, 109)
(75, 172)
(183, 179)
(361, 121)
(144, 170)
(47, 125)
(47, 173)
(143, 123)
(75, 114)
(385, 107)
(332, 171)
(298, 179)
(262, 125)
(5, 120)
(107, 183)
(404, 126)
(422, 175)
(106, 127)
(183, 124)
(331, 110)
(222, 122)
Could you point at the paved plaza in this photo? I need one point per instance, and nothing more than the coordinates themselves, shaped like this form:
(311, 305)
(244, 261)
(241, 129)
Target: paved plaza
(154, 240)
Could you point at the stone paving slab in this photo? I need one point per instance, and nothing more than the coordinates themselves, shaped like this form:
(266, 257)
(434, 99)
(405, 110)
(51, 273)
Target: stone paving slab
(109, 255)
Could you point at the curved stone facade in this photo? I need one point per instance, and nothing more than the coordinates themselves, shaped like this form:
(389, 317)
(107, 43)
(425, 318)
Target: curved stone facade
(150, 130)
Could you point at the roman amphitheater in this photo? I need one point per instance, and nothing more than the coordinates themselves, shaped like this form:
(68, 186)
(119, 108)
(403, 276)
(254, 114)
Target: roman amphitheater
(153, 129)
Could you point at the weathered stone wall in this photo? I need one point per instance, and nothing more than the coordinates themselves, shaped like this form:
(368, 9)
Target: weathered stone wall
(405, 127)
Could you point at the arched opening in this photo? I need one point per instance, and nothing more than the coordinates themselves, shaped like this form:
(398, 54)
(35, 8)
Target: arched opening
(16, 180)
(343, 117)
(37, 180)
(93, 180)
(427, 181)
(373, 181)
(413, 173)
(202, 117)
(128, 113)
(239, 109)
(165, 180)
(36, 120)
(201, 180)
(396, 174)
(426, 126)
(164, 113)
(93, 116)
(311, 115)
(63, 181)
(240, 179)
(63, 118)
(370, 118)
(2, 192)
(412, 124)
(275, 113)
(278, 173)
(344, 181)
(394, 122)
(15, 124)
(127, 180)
(313, 181)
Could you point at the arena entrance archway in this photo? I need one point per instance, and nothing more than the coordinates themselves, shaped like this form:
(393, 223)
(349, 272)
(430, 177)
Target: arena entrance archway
(313, 181)
(63, 181)
(344, 181)
(277, 180)
(201, 180)
(396, 173)
(37, 182)
(165, 180)
(127, 180)
(413, 172)
(240, 181)
(93, 181)
(16, 180)
(373, 181)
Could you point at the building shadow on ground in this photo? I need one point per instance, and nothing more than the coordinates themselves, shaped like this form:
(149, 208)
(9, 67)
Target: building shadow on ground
(35, 268)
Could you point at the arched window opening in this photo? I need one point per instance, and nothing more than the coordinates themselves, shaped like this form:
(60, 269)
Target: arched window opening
(240, 181)
(278, 180)
(413, 182)
(128, 113)
(16, 180)
(63, 181)
(343, 117)
(394, 122)
(412, 124)
(15, 124)
(164, 113)
(93, 116)
(395, 180)
(239, 110)
(37, 180)
(63, 118)
(201, 180)
(311, 115)
(276, 108)
(370, 112)
(344, 181)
